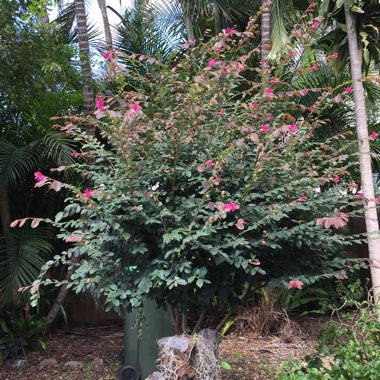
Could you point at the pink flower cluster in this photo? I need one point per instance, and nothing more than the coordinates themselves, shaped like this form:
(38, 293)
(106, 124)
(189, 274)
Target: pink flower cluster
(38, 176)
(207, 165)
(295, 284)
(230, 31)
(99, 102)
(87, 193)
(231, 206)
(107, 55)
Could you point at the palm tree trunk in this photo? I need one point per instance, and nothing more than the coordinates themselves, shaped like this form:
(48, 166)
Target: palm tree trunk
(371, 219)
(89, 106)
(84, 55)
(265, 29)
(187, 18)
(218, 19)
(106, 24)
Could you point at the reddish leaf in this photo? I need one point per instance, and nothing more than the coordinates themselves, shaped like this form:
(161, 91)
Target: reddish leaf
(35, 222)
(337, 220)
(74, 238)
(59, 169)
(56, 185)
(14, 223)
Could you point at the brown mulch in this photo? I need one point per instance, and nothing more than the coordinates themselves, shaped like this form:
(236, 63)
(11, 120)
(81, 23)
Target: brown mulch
(82, 344)
(251, 357)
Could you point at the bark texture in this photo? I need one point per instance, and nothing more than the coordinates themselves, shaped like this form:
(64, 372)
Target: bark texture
(218, 19)
(84, 55)
(107, 29)
(371, 219)
(265, 29)
(89, 106)
(187, 18)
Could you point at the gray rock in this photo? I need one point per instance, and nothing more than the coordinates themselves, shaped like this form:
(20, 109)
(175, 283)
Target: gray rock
(20, 363)
(98, 363)
(155, 376)
(73, 364)
(178, 344)
(49, 362)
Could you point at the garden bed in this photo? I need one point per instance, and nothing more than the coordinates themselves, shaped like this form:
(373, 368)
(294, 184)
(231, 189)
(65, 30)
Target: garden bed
(92, 353)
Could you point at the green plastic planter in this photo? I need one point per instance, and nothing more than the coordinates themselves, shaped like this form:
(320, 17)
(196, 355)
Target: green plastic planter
(141, 352)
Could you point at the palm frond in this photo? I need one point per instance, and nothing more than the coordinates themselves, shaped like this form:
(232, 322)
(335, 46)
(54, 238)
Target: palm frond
(15, 163)
(21, 260)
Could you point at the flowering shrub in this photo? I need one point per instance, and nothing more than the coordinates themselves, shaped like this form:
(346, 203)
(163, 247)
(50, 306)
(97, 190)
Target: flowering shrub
(208, 181)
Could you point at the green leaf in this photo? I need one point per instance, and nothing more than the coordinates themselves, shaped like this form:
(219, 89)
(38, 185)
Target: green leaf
(225, 365)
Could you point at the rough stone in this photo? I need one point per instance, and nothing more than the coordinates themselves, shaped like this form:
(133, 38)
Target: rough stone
(155, 376)
(73, 364)
(20, 363)
(49, 362)
(98, 363)
(180, 345)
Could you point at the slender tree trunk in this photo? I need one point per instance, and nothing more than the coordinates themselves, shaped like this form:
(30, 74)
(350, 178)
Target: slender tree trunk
(218, 19)
(84, 55)
(107, 30)
(187, 18)
(265, 29)
(372, 223)
(89, 106)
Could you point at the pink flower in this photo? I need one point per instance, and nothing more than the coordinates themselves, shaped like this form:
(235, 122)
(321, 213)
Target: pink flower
(360, 195)
(336, 179)
(315, 24)
(295, 284)
(221, 112)
(73, 119)
(312, 5)
(99, 102)
(38, 176)
(230, 31)
(240, 224)
(211, 63)
(303, 198)
(232, 206)
(265, 128)
(292, 53)
(271, 117)
(268, 92)
(192, 40)
(254, 105)
(293, 127)
(274, 80)
(373, 135)
(87, 193)
(314, 67)
(136, 107)
(107, 55)
(208, 164)
(74, 154)
(311, 108)
(348, 90)
(334, 55)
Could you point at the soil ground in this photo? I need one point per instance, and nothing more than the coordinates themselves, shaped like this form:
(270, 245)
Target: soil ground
(97, 350)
